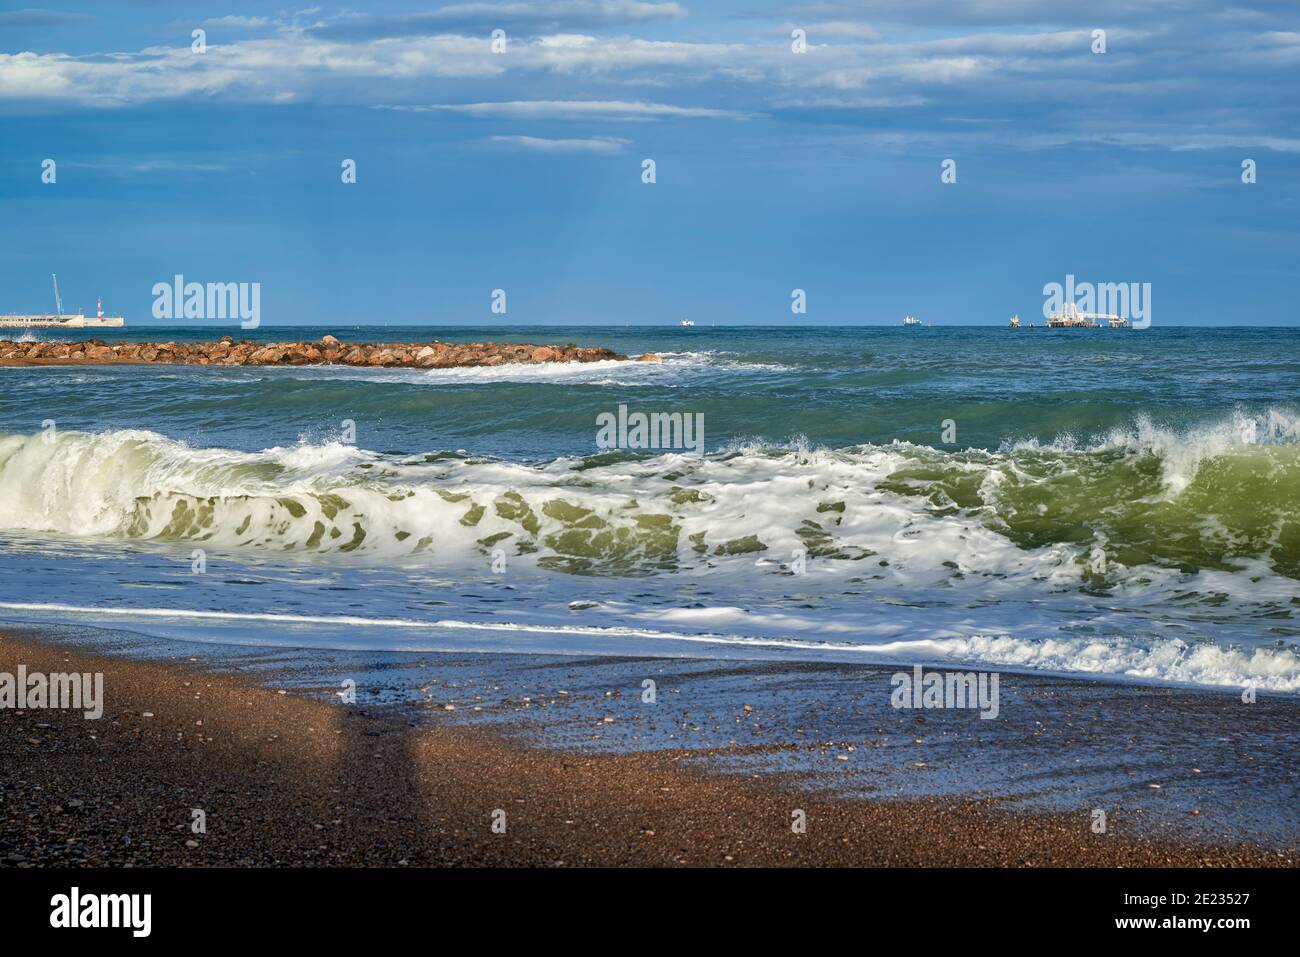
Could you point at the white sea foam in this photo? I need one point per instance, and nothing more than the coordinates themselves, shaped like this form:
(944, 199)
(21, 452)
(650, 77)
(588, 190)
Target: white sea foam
(542, 372)
(1182, 451)
(1164, 661)
(896, 568)
(334, 498)
(673, 368)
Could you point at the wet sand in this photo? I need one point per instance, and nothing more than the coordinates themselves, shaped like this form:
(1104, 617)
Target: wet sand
(293, 779)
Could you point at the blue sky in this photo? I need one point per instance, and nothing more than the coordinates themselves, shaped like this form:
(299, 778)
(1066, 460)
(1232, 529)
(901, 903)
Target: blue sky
(775, 170)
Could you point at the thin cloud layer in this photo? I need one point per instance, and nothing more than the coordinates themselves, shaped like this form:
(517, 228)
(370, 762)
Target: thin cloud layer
(542, 16)
(621, 110)
(542, 144)
(1031, 66)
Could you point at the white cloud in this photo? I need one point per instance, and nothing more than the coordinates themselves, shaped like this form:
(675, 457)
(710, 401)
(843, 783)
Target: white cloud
(850, 102)
(596, 144)
(838, 28)
(519, 16)
(1047, 80)
(275, 69)
(1004, 12)
(246, 23)
(571, 109)
(293, 66)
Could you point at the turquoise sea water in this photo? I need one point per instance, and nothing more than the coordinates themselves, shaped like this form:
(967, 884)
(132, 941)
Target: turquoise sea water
(1124, 504)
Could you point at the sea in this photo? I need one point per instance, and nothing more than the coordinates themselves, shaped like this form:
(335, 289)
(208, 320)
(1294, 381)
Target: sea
(1117, 505)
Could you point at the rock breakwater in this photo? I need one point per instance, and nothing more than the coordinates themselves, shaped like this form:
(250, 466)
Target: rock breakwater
(327, 351)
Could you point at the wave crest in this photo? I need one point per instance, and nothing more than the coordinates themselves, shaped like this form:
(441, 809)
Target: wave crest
(1104, 517)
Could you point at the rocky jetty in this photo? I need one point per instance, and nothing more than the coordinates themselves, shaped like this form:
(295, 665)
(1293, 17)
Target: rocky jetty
(328, 351)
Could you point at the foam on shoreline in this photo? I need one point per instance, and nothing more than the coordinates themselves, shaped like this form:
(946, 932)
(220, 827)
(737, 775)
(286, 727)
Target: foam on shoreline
(741, 741)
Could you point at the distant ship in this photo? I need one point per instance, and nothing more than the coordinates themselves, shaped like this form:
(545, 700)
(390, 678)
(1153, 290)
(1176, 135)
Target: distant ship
(912, 321)
(1069, 316)
(688, 322)
(1015, 322)
(60, 321)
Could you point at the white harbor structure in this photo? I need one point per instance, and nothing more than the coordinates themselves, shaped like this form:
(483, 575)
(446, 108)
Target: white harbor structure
(59, 321)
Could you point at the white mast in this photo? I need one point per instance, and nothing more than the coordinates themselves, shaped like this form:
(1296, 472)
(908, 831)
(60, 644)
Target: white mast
(58, 303)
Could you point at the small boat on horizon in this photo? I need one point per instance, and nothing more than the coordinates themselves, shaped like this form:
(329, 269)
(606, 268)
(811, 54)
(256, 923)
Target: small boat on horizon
(688, 322)
(912, 321)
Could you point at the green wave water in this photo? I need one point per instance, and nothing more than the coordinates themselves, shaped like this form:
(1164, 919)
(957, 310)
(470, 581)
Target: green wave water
(1117, 503)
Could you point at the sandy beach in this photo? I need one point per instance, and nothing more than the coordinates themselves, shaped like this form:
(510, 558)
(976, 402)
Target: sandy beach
(291, 779)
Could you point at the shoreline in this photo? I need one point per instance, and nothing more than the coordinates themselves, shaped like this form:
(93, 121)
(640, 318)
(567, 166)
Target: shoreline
(290, 778)
(327, 351)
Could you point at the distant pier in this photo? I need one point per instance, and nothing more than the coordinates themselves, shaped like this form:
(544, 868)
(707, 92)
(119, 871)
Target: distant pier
(61, 322)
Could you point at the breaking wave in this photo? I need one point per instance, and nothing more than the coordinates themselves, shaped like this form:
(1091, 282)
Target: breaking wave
(1145, 553)
(1130, 509)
